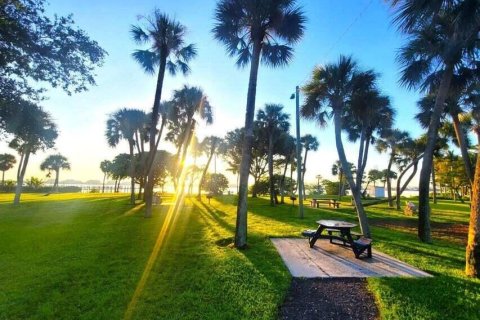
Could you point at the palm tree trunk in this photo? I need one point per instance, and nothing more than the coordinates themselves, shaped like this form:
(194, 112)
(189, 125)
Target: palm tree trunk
(472, 267)
(103, 184)
(340, 184)
(204, 172)
(132, 173)
(241, 221)
(55, 184)
(424, 182)
(282, 185)
(362, 217)
(389, 181)
(434, 186)
(360, 159)
(460, 135)
(270, 170)
(400, 188)
(20, 175)
(153, 129)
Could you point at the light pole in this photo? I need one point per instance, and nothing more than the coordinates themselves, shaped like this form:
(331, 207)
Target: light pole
(299, 156)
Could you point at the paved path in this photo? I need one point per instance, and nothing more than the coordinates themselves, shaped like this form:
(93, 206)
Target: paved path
(327, 260)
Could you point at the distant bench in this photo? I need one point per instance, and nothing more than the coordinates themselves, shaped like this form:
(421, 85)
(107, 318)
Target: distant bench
(332, 203)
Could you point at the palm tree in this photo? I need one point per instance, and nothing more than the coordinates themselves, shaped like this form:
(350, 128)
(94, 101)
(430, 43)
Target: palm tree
(55, 163)
(254, 31)
(309, 142)
(127, 124)
(209, 146)
(167, 52)
(287, 150)
(275, 122)
(33, 130)
(7, 161)
(391, 141)
(105, 166)
(442, 36)
(187, 103)
(328, 94)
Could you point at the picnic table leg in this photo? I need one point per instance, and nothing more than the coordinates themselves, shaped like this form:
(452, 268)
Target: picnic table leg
(352, 244)
(316, 236)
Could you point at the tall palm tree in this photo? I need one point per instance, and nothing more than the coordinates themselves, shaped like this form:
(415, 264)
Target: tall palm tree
(127, 124)
(209, 146)
(167, 52)
(391, 141)
(308, 142)
(327, 95)
(443, 35)
(254, 31)
(187, 104)
(275, 122)
(55, 162)
(7, 161)
(288, 151)
(105, 166)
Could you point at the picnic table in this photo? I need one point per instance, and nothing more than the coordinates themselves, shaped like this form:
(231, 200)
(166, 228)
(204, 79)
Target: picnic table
(332, 203)
(340, 231)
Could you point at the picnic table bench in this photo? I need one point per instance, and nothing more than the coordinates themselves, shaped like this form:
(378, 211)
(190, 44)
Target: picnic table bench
(332, 203)
(340, 231)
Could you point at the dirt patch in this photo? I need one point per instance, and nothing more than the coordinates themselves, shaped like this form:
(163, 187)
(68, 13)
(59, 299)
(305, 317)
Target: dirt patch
(333, 298)
(454, 231)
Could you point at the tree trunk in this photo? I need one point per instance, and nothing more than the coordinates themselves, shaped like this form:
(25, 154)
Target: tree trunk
(434, 187)
(20, 175)
(400, 189)
(362, 217)
(460, 135)
(472, 267)
(132, 172)
(241, 222)
(360, 159)
(153, 131)
(270, 170)
(389, 181)
(212, 151)
(340, 184)
(103, 184)
(282, 185)
(424, 182)
(55, 184)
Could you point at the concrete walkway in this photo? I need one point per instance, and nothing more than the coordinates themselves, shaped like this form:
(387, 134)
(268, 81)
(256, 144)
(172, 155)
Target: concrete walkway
(327, 260)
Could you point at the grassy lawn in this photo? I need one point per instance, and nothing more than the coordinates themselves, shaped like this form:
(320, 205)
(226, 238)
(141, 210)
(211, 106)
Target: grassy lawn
(82, 256)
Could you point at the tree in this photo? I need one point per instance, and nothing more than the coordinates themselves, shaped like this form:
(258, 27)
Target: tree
(373, 176)
(187, 103)
(32, 130)
(105, 166)
(40, 49)
(368, 116)
(215, 183)
(442, 36)
(7, 161)
(309, 142)
(167, 52)
(328, 94)
(120, 169)
(34, 183)
(472, 266)
(127, 124)
(256, 31)
(55, 163)
(209, 145)
(275, 122)
(390, 141)
(331, 187)
(288, 151)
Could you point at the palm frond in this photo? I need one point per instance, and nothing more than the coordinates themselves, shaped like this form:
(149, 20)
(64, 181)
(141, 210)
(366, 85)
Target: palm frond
(276, 55)
(147, 59)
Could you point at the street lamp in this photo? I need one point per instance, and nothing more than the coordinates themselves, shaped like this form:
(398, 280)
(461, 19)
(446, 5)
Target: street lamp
(299, 156)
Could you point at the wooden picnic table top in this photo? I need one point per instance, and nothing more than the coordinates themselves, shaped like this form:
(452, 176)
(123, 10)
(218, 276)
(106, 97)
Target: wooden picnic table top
(336, 224)
(329, 199)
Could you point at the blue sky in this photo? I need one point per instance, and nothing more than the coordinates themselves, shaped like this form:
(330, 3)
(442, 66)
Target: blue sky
(361, 28)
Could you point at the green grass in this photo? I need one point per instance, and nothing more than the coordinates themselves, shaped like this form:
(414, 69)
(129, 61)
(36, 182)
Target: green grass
(82, 255)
